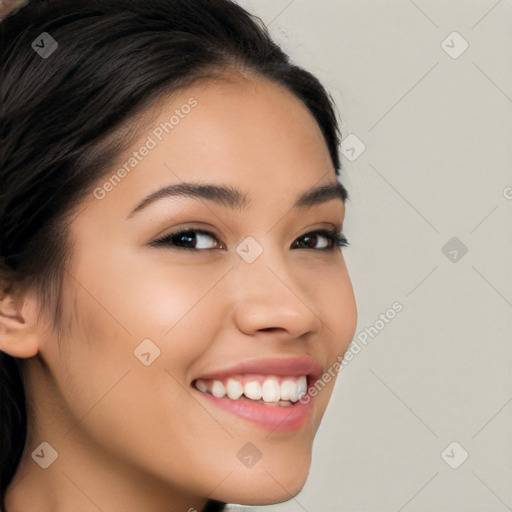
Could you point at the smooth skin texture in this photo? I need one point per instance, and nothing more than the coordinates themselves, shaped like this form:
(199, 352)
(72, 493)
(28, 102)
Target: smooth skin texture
(132, 437)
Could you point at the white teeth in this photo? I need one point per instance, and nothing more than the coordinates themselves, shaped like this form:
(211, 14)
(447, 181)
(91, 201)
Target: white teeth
(271, 391)
(252, 390)
(289, 390)
(234, 389)
(281, 391)
(302, 384)
(218, 389)
(201, 385)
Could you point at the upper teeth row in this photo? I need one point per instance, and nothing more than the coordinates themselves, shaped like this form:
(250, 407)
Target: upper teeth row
(271, 390)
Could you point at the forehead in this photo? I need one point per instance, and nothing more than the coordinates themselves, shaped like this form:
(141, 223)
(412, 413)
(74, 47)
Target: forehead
(252, 134)
(242, 122)
(245, 101)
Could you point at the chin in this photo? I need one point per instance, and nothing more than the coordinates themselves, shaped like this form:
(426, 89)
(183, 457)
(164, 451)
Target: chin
(269, 494)
(266, 485)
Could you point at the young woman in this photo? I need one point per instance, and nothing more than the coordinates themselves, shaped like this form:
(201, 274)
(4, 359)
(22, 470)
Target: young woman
(172, 285)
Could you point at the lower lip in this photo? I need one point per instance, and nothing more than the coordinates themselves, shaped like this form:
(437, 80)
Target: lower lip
(275, 418)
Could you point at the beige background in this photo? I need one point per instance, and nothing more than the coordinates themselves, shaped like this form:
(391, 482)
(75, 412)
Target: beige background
(436, 165)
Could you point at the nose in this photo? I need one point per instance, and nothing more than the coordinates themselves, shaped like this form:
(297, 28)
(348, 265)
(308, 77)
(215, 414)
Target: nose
(269, 297)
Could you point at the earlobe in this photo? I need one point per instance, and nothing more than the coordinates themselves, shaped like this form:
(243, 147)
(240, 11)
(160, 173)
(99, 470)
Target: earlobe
(18, 336)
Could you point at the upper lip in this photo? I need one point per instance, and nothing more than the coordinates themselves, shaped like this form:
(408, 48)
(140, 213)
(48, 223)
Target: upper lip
(278, 366)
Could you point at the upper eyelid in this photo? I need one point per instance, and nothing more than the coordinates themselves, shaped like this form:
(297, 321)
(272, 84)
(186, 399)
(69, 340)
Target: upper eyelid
(334, 225)
(188, 230)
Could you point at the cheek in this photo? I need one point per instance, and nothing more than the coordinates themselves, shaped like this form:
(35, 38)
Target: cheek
(346, 314)
(167, 322)
(331, 296)
(146, 291)
(125, 311)
(112, 393)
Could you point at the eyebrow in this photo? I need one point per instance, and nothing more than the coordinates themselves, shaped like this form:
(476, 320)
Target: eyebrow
(235, 199)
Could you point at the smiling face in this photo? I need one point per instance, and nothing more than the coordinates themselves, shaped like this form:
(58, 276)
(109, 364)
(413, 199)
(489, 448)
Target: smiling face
(251, 291)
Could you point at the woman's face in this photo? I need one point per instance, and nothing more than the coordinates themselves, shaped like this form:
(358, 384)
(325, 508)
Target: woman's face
(242, 295)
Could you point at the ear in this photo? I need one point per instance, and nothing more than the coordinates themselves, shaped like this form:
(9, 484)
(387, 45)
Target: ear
(18, 330)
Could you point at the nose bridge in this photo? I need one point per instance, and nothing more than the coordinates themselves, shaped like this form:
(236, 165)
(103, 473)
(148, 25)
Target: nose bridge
(267, 293)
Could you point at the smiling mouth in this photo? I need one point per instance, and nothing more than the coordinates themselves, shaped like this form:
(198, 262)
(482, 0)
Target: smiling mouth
(283, 391)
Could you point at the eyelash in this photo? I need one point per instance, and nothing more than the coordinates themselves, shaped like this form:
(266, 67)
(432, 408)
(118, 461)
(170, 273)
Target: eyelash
(337, 239)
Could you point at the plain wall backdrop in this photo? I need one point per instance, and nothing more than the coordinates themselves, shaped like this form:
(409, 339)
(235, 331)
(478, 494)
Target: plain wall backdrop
(421, 417)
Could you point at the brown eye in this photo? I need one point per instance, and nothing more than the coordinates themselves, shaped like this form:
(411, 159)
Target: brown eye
(334, 239)
(194, 239)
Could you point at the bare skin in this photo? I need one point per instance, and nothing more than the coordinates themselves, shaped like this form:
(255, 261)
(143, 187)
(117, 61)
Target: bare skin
(132, 437)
